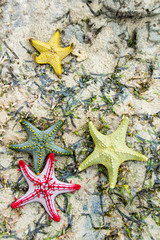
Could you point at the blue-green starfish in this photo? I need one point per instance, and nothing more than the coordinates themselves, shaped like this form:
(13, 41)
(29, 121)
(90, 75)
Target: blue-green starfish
(40, 143)
(110, 151)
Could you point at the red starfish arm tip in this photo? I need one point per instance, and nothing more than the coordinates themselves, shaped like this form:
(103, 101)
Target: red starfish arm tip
(27, 173)
(48, 170)
(22, 164)
(56, 218)
(15, 204)
(76, 187)
(51, 155)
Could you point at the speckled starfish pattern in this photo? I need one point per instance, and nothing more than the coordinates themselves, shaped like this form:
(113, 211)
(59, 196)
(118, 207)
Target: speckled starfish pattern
(110, 151)
(44, 188)
(40, 144)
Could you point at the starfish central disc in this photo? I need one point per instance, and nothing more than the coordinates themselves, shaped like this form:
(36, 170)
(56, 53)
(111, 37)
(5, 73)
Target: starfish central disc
(110, 151)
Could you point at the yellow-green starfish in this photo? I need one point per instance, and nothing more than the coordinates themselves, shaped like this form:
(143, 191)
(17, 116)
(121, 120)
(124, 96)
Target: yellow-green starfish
(51, 52)
(110, 151)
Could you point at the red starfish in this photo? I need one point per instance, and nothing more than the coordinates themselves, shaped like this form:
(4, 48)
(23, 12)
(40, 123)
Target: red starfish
(44, 187)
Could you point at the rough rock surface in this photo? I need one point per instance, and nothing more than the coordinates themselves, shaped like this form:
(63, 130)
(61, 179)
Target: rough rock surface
(114, 70)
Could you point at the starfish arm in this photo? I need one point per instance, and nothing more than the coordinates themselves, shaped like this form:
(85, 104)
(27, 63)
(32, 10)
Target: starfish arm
(52, 147)
(31, 179)
(64, 52)
(21, 147)
(120, 134)
(106, 160)
(52, 131)
(130, 154)
(54, 41)
(94, 158)
(30, 129)
(57, 187)
(48, 204)
(61, 187)
(98, 138)
(42, 58)
(29, 176)
(55, 62)
(52, 59)
(39, 159)
(40, 46)
(112, 172)
(27, 198)
(48, 170)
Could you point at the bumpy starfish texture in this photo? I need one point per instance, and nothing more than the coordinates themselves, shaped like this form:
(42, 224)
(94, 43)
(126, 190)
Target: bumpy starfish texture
(110, 151)
(40, 143)
(51, 52)
(44, 188)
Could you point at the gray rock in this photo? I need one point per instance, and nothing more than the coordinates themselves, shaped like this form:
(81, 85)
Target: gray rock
(120, 30)
(130, 8)
(154, 29)
(96, 207)
(154, 36)
(154, 26)
(76, 31)
(80, 36)
(69, 32)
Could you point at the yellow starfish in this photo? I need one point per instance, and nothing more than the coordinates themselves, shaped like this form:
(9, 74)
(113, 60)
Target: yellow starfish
(51, 52)
(110, 151)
